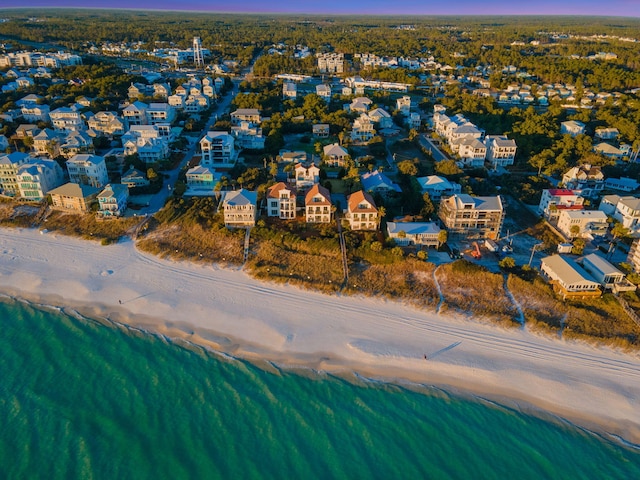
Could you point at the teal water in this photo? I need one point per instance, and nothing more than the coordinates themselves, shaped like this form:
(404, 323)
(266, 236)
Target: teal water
(81, 399)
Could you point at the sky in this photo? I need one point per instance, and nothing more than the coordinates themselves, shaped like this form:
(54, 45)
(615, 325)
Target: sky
(624, 8)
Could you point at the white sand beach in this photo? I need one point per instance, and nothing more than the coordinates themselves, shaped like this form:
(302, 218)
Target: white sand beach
(231, 312)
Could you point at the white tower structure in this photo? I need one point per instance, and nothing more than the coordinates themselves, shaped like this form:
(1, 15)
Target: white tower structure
(198, 60)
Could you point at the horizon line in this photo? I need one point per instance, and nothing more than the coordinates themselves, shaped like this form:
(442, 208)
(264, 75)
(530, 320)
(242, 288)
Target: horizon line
(327, 14)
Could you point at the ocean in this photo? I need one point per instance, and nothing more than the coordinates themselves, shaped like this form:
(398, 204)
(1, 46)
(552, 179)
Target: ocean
(82, 398)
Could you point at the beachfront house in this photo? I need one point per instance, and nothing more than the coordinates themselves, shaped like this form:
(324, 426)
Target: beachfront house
(281, 201)
(362, 213)
(317, 205)
(37, 177)
(10, 163)
(113, 199)
(568, 278)
(239, 208)
(608, 276)
(72, 197)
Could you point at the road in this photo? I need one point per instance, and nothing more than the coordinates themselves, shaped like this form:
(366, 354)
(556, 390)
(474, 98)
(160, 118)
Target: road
(158, 200)
(427, 143)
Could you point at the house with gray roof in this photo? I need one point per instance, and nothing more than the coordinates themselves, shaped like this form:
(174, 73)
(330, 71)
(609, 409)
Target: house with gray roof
(568, 278)
(239, 208)
(414, 233)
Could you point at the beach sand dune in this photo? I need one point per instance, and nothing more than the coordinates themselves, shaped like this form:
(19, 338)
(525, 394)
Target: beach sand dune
(233, 313)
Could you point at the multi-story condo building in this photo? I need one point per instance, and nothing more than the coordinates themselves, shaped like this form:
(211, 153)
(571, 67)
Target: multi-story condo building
(85, 169)
(474, 217)
(9, 166)
(36, 178)
(218, 150)
(281, 201)
(330, 62)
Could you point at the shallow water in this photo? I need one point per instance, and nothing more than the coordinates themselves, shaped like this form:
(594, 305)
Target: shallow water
(85, 399)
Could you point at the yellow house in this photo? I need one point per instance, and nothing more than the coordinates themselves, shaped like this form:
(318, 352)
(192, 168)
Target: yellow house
(72, 197)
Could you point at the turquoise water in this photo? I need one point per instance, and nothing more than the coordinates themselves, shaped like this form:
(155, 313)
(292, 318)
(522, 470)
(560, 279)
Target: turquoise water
(80, 399)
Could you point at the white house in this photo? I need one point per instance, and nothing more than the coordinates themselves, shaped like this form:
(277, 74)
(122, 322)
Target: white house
(289, 90)
(471, 150)
(306, 175)
(360, 104)
(218, 150)
(240, 208)
(414, 233)
(147, 142)
(249, 136)
(568, 278)
(362, 130)
(86, 169)
(624, 209)
(582, 223)
(251, 115)
(67, 119)
(107, 123)
(403, 105)
(501, 151)
(608, 276)
(135, 113)
(572, 127)
(609, 151)
(281, 201)
(324, 92)
(381, 117)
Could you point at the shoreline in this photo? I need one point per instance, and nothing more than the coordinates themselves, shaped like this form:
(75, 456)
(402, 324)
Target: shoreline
(229, 312)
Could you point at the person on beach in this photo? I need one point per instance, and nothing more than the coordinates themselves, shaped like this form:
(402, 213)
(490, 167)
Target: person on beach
(425, 356)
